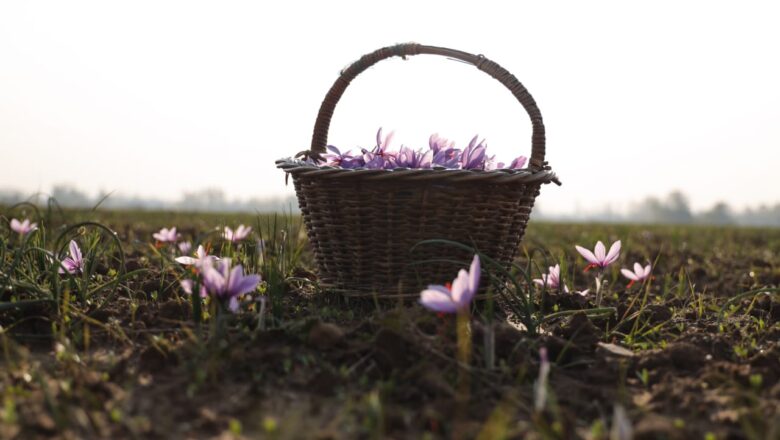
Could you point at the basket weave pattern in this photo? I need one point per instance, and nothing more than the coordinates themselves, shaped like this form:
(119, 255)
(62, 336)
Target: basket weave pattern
(363, 223)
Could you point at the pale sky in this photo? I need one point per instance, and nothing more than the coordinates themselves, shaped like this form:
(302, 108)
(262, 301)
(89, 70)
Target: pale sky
(155, 98)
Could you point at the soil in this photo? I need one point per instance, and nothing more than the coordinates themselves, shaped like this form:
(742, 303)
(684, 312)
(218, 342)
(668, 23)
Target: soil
(329, 367)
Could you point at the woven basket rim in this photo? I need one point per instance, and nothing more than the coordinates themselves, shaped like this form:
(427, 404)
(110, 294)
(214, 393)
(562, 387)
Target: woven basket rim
(298, 167)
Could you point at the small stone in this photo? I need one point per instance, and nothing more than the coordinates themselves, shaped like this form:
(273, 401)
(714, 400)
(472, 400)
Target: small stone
(324, 335)
(614, 350)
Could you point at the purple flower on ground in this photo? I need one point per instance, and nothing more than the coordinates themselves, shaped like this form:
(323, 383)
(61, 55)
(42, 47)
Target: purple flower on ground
(540, 391)
(24, 227)
(226, 283)
(239, 234)
(621, 425)
(75, 263)
(198, 262)
(551, 279)
(456, 298)
(473, 157)
(600, 257)
(185, 247)
(639, 274)
(166, 235)
(187, 285)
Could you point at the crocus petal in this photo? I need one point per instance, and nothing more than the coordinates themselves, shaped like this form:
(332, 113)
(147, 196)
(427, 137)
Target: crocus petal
(245, 285)
(186, 285)
(460, 288)
(600, 252)
(648, 268)
(638, 270)
(233, 304)
(201, 252)
(614, 253)
(186, 260)
(438, 299)
(587, 254)
(68, 265)
(474, 274)
(235, 277)
(15, 225)
(75, 252)
(539, 281)
(628, 274)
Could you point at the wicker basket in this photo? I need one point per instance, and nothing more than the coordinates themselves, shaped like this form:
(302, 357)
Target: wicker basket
(363, 223)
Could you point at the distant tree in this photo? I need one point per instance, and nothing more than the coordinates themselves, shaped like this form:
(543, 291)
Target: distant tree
(678, 208)
(719, 214)
(69, 196)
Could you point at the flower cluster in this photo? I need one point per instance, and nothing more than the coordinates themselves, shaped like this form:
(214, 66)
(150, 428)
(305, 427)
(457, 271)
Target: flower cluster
(214, 276)
(441, 153)
(599, 258)
(457, 296)
(223, 282)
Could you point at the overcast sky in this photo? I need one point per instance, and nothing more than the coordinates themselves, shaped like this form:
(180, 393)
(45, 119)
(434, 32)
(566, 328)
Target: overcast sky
(154, 98)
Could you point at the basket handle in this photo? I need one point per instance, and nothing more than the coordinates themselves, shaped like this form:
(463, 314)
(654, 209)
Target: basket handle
(320, 136)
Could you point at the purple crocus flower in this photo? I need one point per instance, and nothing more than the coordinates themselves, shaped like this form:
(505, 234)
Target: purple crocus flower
(473, 157)
(517, 163)
(166, 235)
(75, 263)
(185, 247)
(438, 143)
(408, 158)
(344, 160)
(447, 158)
(552, 279)
(226, 283)
(187, 285)
(380, 157)
(639, 274)
(446, 299)
(23, 227)
(239, 234)
(198, 262)
(600, 257)
(540, 389)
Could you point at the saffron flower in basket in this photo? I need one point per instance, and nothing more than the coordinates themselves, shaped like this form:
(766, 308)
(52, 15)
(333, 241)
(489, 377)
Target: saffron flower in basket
(600, 258)
(239, 234)
(24, 227)
(166, 235)
(75, 263)
(639, 274)
(441, 153)
(455, 297)
(226, 283)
